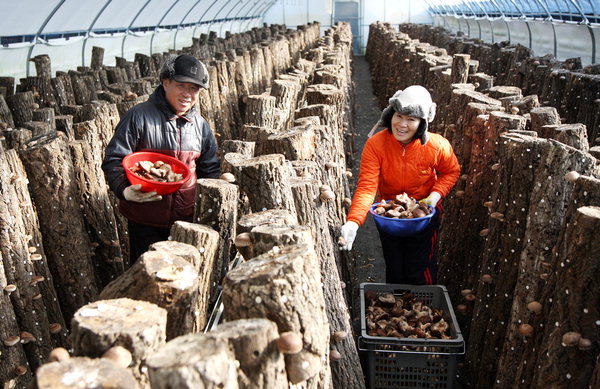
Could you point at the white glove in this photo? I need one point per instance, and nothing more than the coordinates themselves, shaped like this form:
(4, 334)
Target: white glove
(432, 199)
(348, 234)
(133, 193)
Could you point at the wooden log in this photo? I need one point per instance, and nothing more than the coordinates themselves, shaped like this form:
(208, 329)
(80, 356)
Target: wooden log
(193, 361)
(97, 205)
(37, 255)
(460, 68)
(63, 92)
(251, 291)
(312, 212)
(543, 116)
(217, 207)
(41, 87)
(207, 242)
(237, 146)
(248, 222)
(521, 106)
(500, 91)
(548, 202)
(70, 260)
(42, 65)
(83, 87)
(501, 253)
(145, 64)
(40, 129)
(162, 278)
(482, 81)
(9, 84)
(138, 326)
(5, 114)
(264, 180)
(224, 93)
(259, 76)
(297, 143)
(21, 105)
(220, 126)
(97, 57)
(64, 123)
(260, 110)
(45, 115)
(240, 79)
(286, 94)
(13, 357)
(99, 373)
(254, 344)
(574, 135)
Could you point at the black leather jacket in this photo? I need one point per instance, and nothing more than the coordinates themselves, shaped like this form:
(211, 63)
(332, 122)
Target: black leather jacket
(153, 126)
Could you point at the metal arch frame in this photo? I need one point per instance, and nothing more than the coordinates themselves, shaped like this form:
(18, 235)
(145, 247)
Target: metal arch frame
(237, 15)
(503, 18)
(202, 17)
(130, 25)
(262, 12)
(226, 19)
(160, 21)
(38, 33)
(87, 34)
(181, 22)
(217, 14)
(475, 16)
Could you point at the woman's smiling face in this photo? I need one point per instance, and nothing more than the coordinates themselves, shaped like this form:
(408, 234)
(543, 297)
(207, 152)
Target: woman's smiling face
(404, 127)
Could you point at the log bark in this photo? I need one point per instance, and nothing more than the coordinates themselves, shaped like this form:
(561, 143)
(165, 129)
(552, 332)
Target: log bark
(163, 278)
(460, 68)
(5, 114)
(21, 106)
(99, 214)
(346, 372)
(574, 135)
(36, 246)
(575, 306)
(285, 287)
(217, 208)
(265, 181)
(138, 326)
(260, 110)
(70, 260)
(296, 143)
(543, 116)
(254, 344)
(12, 356)
(193, 361)
(207, 242)
(97, 57)
(99, 373)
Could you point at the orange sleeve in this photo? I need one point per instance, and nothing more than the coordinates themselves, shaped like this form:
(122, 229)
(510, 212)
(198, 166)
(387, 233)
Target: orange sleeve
(448, 169)
(368, 180)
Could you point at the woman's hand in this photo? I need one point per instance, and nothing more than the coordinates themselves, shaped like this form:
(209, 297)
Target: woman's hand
(432, 199)
(133, 193)
(348, 234)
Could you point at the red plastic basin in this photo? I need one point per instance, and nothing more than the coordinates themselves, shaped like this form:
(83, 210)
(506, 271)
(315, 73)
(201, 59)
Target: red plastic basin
(161, 188)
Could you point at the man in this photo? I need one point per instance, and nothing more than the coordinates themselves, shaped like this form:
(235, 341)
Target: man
(168, 123)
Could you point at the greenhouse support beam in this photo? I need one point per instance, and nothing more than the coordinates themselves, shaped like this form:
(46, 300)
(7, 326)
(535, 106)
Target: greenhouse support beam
(87, 35)
(159, 22)
(227, 16)
(202, 17)
(131, 25)
(181, 22)
(38, 33)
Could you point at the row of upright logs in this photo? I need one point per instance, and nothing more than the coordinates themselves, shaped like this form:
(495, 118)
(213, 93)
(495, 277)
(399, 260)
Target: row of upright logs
(279, 104)
(517, 248)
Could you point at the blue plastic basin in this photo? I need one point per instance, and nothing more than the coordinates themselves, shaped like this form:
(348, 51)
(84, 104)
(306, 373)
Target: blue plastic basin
(400, 227)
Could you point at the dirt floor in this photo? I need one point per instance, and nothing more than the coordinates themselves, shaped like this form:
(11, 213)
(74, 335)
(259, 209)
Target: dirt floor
(367, 248)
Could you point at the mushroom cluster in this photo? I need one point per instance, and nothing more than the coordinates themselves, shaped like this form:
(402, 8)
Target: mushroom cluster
(157, 171)
(402, 207)
(403, 316)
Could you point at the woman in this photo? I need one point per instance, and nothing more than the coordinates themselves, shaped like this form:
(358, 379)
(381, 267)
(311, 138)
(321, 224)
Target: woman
(404, 158)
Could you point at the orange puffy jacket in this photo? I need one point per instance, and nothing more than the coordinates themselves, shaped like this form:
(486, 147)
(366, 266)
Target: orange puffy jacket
(391, 168)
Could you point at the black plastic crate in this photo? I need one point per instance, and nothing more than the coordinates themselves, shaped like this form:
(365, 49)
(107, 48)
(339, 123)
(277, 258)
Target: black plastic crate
(411, 363)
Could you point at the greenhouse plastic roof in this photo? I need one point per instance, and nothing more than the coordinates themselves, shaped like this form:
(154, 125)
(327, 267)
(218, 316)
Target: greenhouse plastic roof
(26, 20)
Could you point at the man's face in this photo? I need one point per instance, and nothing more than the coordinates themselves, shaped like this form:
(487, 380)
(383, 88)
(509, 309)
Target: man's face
(181, 96)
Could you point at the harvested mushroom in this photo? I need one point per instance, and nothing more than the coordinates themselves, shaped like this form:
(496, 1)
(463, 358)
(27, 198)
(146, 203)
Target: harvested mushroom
(525, 329)
(55, 328)
(11, 340)
(327, 195)
(534, 307)
(486, 278)
(227, 177)
(26, 337)
(584, 344)
(335, 355)
(339, 335)
(243, 240)
(157, 171)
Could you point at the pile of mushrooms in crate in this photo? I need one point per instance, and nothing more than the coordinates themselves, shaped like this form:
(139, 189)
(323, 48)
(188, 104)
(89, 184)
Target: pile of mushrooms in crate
(403, 316)
(402, 207)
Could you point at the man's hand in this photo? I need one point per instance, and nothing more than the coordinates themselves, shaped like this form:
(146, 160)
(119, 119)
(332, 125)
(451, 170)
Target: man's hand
(348, 234)
(133, 193)
(432, 199)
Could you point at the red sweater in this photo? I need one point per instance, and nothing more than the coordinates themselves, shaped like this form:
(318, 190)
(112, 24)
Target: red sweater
(390, 168)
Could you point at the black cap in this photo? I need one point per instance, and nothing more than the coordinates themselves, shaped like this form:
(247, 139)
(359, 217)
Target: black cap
(189, 69)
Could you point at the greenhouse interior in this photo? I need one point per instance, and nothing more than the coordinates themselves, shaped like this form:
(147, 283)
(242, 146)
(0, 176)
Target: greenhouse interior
(300, 194)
